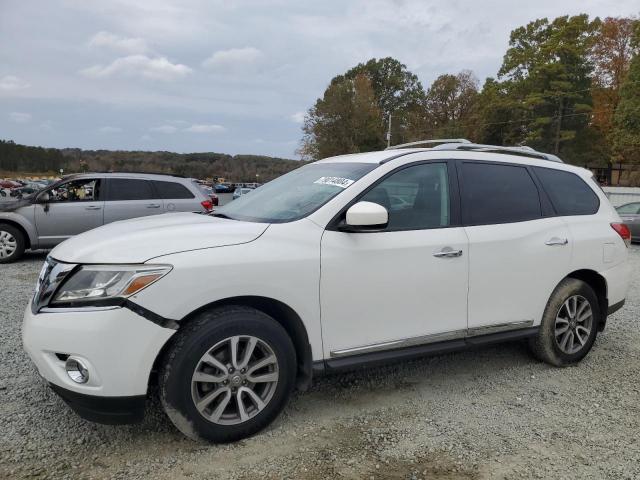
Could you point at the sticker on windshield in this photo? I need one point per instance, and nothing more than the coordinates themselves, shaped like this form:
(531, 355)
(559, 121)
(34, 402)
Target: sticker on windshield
(335, 181)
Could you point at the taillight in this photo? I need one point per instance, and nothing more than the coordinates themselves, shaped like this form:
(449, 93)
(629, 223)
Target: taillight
(207, 205)
(623, 231)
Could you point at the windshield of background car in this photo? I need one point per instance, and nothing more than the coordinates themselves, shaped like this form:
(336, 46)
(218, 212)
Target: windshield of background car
(296, 194)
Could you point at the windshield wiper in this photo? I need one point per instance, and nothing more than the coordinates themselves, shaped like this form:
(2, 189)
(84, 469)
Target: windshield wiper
(221, 215)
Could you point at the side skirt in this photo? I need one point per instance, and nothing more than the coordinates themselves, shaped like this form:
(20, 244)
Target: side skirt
(388, 356)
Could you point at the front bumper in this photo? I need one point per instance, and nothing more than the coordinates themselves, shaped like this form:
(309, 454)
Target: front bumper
(117, 345)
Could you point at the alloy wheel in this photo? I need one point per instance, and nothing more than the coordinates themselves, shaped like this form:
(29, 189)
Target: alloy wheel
(573, 325)
(8, 244)
(234, 380)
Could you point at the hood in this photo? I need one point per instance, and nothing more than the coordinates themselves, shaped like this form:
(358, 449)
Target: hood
(140, 239)
(13, 204)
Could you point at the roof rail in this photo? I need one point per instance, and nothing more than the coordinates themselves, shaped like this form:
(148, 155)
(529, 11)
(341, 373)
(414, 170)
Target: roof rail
(523, 151)
(428, 142)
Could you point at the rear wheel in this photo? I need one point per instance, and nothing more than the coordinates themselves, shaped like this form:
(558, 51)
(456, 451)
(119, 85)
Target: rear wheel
(228, 374)
(569, 324)
(12, 243)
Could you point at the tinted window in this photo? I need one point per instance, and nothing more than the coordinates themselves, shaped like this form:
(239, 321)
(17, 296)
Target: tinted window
(416, 197)
(569, 194)
(629, 209)
(498, 194)
(172, 190)
(129, 189)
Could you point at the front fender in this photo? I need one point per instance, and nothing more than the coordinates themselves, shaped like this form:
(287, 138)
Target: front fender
(11, 217)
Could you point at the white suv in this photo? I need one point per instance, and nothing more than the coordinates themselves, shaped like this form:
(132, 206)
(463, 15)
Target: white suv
(352, 260)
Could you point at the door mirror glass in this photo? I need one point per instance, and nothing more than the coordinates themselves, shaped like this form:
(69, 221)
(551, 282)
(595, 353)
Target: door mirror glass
(367, 214)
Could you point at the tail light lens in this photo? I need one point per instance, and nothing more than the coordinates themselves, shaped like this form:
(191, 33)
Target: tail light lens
(207, 205)
(623, 231)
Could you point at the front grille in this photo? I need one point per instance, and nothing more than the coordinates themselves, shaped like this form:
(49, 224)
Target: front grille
(51, 276)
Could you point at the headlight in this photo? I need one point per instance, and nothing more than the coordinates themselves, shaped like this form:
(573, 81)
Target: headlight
(107, 284)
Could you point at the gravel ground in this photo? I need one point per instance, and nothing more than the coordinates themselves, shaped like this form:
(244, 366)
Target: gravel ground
(489, 413)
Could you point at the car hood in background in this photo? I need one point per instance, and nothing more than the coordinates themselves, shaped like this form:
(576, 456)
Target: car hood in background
(12, 204)
(140, 239)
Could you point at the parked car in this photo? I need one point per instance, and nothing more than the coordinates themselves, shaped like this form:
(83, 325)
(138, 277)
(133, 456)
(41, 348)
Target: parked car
(630, 214)
(10, 184)
(81, 202)
(241, 191)
(223, 188)
(498, 244)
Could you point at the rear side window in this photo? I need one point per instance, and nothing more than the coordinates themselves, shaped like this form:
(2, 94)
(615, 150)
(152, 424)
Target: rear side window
(494, 193)
(569, 194)
(172, 190)
(129, 189)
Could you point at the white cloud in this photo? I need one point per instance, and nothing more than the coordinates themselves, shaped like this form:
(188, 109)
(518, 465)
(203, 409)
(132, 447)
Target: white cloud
(158, 68)
(199, 128)
(20, 117)
(11, 82)
(298, 117)
(109, 129)
(234, 58)
(164, 129)
(118, 43)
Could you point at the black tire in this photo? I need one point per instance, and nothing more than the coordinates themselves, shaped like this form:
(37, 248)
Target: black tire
(18, 236)
(545, 346)
(197, 338)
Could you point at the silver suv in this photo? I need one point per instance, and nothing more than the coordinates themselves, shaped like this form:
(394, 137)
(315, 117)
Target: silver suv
(81, 202)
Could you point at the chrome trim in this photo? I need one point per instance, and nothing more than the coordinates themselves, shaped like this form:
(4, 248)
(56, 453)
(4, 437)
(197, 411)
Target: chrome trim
(51, 276)
(401, 343)
(434, 338)
(76, 309)
(499, 327)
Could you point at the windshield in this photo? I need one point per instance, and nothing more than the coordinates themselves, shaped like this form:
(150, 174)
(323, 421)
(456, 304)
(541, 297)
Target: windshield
(296, 194)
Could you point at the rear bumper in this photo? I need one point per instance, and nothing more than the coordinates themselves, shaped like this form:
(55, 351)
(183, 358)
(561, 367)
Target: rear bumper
(107, 410)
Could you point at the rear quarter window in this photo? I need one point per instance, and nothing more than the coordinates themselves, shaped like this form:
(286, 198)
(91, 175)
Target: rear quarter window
(172, 190)
(569, 194)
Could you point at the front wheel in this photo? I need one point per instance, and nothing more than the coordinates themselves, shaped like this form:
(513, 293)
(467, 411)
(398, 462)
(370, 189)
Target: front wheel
(569, 324)
(12, 243)
(228, 374)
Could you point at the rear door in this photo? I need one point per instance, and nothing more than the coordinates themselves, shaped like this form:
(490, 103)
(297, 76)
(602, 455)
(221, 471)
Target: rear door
(176, 197)
(130, 198)
(518, 250)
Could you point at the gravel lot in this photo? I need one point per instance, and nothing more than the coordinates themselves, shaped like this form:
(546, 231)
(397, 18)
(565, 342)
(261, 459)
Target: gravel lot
(489, 413)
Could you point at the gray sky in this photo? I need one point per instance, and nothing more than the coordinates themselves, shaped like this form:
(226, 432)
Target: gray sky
(227, 76)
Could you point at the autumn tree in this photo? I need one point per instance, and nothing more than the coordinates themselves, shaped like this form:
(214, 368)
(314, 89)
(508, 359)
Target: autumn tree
(346, 119)
(611, 55)
(626, 122)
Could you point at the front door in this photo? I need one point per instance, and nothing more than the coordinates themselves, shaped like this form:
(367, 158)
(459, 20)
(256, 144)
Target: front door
(73, 207)
(517, 254)
(405, 285)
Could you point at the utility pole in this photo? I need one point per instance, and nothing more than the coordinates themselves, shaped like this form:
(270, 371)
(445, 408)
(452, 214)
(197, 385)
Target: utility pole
(389, 132)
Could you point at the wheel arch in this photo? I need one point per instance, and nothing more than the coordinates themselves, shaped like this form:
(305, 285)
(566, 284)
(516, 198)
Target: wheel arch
(19, 226)
(280, 312)
(599, 285)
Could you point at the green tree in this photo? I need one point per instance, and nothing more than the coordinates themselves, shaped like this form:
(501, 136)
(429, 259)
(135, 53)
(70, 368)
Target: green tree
(345, 120)
(548, 67)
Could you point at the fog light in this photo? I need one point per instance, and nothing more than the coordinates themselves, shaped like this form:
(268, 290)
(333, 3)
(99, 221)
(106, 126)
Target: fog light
(76, 370)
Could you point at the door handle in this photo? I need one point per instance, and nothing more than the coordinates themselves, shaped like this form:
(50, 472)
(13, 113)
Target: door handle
(153, 205)
(556, 241)
(448, 252)
(93, 207)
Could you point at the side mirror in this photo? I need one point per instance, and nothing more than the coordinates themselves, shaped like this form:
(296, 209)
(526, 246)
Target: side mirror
(365, 217)
(44, 197)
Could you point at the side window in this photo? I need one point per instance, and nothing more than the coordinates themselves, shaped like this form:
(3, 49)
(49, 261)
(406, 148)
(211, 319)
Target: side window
(416, 197)
(495, 193)
(85, 190)
(569, 194)
(629, 209)
(129, 189)
(171, 190)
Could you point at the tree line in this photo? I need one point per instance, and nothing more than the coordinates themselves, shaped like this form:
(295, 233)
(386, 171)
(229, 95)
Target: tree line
(569, 86)
(237, 168)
